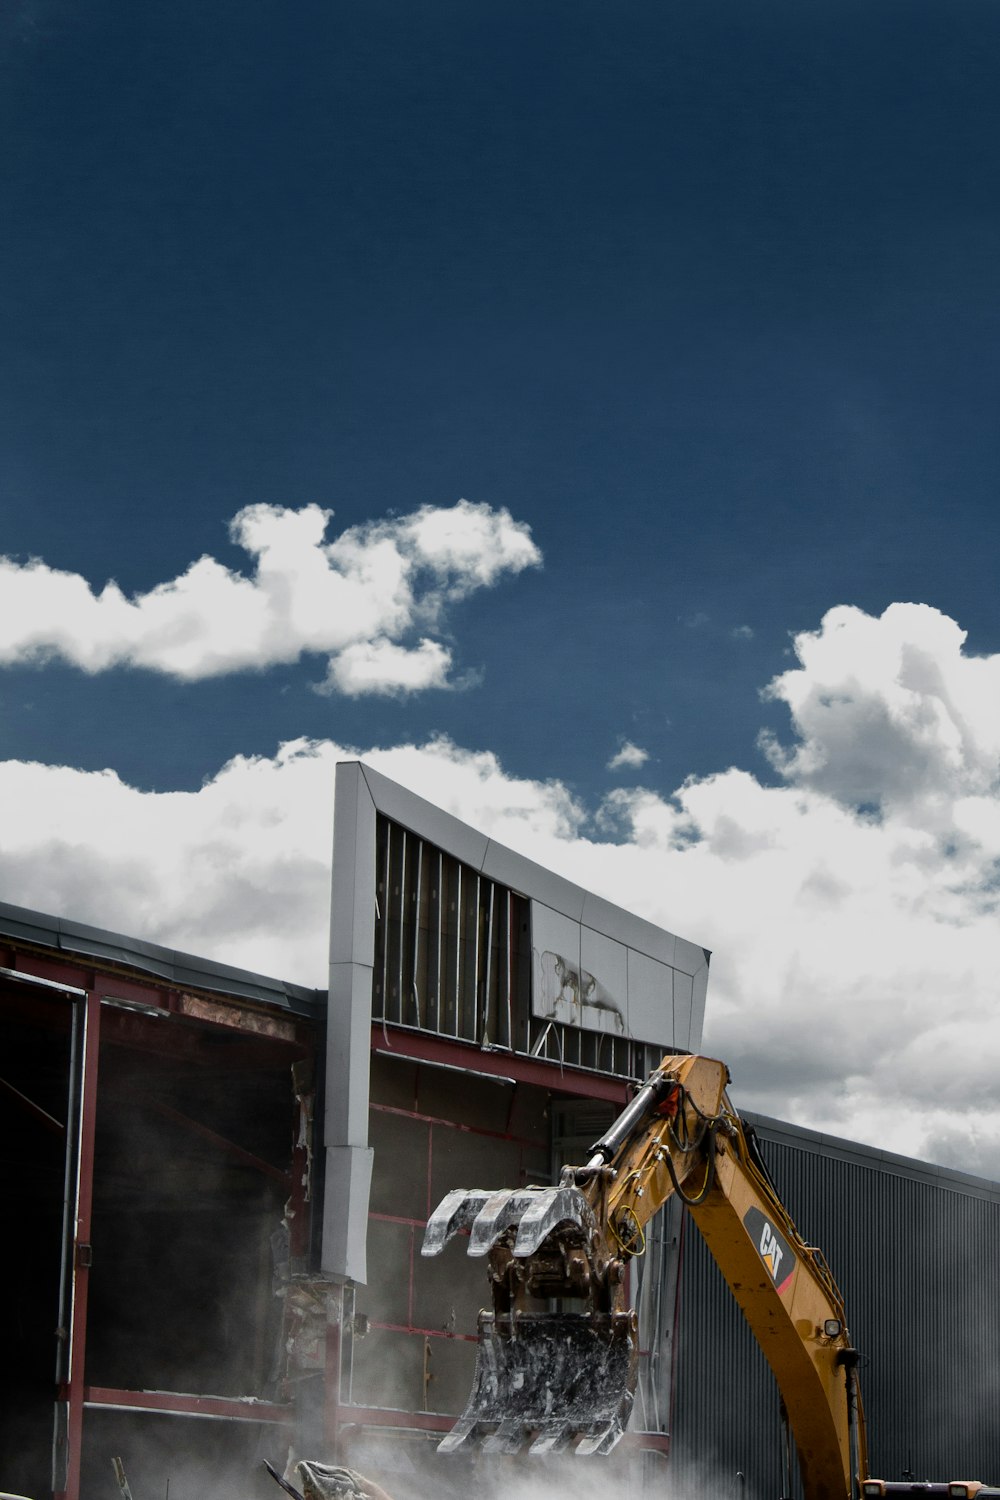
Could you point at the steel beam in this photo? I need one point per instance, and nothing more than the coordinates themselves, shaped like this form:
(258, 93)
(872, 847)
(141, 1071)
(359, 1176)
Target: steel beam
(73, 1392)
(179, 1404)
(465, 1057)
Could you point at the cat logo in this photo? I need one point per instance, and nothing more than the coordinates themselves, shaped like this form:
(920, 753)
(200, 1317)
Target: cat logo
(772, 1248)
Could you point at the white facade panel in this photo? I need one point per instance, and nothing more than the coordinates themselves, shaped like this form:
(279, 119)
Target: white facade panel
(555, 965)
(683, 1009)
(635, 932)
(651, 999)
(688, 957)
(603, 984)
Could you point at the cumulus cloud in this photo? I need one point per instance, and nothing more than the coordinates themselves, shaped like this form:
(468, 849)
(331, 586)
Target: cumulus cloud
(890, 710)
(629, 757)
(383, 667)
(238, 870)
(852, 909)
(365, 600)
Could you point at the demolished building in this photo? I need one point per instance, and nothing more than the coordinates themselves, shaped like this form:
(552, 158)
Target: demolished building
(217, 1183)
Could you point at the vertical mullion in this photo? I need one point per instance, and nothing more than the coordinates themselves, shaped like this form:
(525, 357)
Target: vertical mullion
(488, 977)
(402, 922)
(416, 931)
(80, 1280)
(386, 888)
(474, 987)
(439, 953)
(509, 1006)
(458, 946)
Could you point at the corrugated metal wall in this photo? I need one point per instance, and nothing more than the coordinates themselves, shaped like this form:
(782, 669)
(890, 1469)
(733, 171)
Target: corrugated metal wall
(916, 1251)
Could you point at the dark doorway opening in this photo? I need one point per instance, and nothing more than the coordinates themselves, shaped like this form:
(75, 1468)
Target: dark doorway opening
(35, 1042)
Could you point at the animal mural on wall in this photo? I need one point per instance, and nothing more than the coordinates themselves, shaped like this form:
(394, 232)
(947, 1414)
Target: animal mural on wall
(568, 992)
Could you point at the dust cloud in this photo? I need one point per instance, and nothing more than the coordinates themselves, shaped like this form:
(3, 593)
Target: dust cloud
(406, 1472)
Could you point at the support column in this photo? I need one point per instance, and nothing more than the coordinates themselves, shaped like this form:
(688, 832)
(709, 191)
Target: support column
(334, 1346)
(348, 1157)
(71, 1395)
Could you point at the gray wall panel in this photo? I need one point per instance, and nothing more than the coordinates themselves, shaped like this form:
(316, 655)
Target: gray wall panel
(604, 984)
(431, 822)
(352, 901)
(918, 1259)
(628, 928)
(651, 999)
(524, 876)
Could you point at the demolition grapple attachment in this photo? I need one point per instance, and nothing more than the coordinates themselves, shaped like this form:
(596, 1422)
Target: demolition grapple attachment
(556, 1378)
(569, 1376)
(553, 1377)
(533, 1211)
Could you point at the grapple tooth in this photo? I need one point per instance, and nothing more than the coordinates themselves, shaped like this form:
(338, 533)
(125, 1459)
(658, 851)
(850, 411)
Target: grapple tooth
(536, 1211)
(549, 1207)
(508, 1438)
(455, 1212)
(552, 1375)
(600, 1442)
(553, 1438)
(463, 1430)
(498, 1213)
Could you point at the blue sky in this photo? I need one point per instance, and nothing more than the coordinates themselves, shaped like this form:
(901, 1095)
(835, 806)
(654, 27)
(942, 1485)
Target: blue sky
(700, 302)
(704, 295)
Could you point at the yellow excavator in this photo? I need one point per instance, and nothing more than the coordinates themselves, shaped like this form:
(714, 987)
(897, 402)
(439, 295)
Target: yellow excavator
(567, 1377)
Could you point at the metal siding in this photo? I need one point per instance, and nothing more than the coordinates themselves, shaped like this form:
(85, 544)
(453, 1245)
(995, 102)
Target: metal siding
(916, 1256)
(178, 970)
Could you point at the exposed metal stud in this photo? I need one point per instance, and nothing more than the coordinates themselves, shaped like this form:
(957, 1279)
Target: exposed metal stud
(508, 969)
(472, 918)
(415, 977)
(487, 982)
(439, 948)
(384, 922)
(458, 948)
(400, 988)
(449, 960)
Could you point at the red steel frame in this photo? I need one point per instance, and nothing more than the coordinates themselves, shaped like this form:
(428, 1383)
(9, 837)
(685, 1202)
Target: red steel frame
(85, 988)
(418, 1046)
(340, 1415)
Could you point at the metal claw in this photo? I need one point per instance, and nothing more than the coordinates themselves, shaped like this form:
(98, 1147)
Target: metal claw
(552, 1206)
(497, 1214)
(455, 1212)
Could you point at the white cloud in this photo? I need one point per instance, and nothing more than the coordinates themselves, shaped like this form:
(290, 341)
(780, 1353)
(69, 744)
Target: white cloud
(852, 910)
(361, 597)
(238, 870)
(382, 667)
(890, 711)
(629, 757)
(743, 633)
